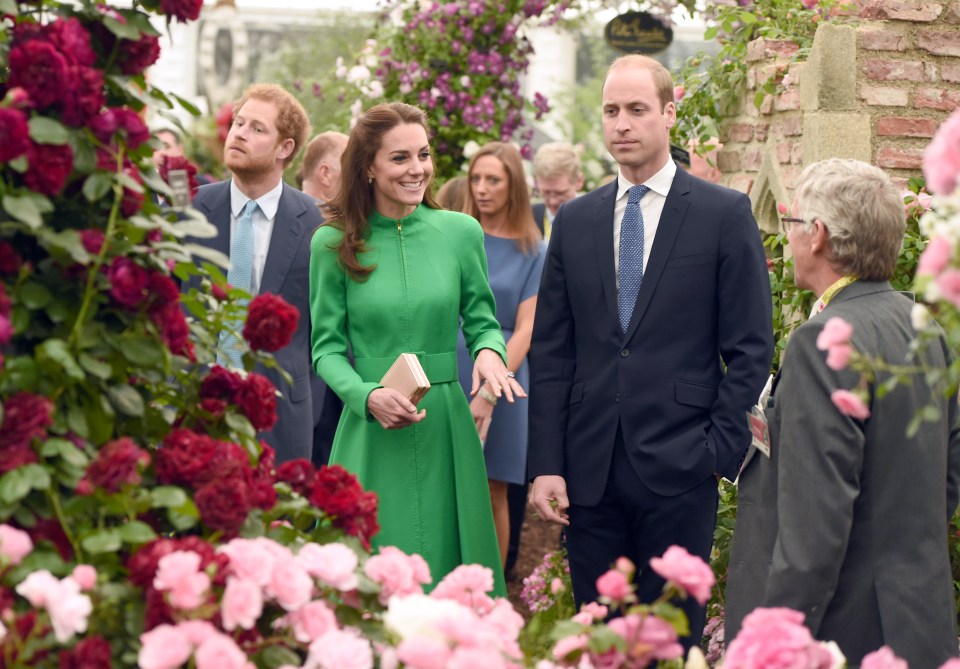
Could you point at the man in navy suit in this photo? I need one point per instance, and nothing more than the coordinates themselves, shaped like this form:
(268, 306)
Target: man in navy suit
(651, 342)
(269, 128)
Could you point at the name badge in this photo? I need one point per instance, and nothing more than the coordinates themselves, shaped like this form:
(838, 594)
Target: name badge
(759, 430)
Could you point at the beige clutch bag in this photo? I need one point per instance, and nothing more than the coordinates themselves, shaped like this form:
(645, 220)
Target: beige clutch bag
(407, 377)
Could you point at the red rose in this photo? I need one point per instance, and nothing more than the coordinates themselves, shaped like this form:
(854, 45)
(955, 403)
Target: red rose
(92, 240)
(14, 457)
(216, 408)
(50, 165)
(163, 289)
(137, 55)
(168, 163)
(182, 10)
(85, 96)
(25, 417)
(174, 330)
(92, 652)
(6, 329)
(120, 120)
(14, 134)
(183, 456)
(336, 492)
(117, 464)
(219, 293)
(142, 565)
(298, 474)
(50, 529)
(223, 505)
(257, 398)
(10, 260)
(128, 282)
(220, 383)
(73, 41)
(41, 70)
(271, 322)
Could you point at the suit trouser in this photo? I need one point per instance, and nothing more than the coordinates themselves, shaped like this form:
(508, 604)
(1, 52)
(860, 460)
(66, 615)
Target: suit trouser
(633, 521)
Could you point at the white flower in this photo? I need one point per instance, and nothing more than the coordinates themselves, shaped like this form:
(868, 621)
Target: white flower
(405, 88)
(341, 68)
(839, 661)
(375, 90)
(371, 61)
(695, 660)
(465, 81)
(470, 149)
(358, 74)
(356, 109)
(920, 317)
(3, 632)
(417, 615)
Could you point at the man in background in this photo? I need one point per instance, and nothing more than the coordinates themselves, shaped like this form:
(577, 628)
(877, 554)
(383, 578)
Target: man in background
(556, 171)
(265, 226)
(319, 177)
(845, 517)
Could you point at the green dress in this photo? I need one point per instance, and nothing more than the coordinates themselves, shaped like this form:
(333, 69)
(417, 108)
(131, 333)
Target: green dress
(431, 271)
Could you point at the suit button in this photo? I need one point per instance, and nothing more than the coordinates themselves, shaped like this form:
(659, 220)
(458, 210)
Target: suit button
(616, 398)
(625, 353)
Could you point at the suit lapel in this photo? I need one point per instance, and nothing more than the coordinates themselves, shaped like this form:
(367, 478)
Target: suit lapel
(603, 244)
(217, 210)
(671, 220)
(288, 230)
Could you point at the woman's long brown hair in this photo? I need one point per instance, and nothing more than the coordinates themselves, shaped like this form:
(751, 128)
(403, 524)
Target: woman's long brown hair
(350, 210)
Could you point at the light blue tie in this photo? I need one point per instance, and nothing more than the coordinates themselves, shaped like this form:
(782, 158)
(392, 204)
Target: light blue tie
(239, 276)
(631, 255)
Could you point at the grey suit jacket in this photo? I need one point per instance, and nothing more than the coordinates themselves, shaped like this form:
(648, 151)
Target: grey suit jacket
(847, 521)
(285, 273)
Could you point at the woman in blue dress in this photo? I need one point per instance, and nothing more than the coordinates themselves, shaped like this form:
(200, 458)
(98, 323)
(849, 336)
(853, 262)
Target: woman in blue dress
(499, 199)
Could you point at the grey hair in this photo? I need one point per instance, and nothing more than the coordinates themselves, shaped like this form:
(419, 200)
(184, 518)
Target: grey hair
(863, 212)
(555, 159)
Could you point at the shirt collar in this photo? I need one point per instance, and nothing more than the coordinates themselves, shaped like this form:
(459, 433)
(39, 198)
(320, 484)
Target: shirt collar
(659, 183)
(268, 203)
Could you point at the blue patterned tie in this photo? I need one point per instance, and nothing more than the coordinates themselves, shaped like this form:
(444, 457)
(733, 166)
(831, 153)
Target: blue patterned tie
(239, 276)
(631, 255)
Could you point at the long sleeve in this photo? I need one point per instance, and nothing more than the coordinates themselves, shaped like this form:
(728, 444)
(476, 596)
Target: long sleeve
(477, 306)
(328, 313)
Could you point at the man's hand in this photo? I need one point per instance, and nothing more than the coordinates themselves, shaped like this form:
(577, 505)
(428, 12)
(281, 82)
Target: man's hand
(549, 497)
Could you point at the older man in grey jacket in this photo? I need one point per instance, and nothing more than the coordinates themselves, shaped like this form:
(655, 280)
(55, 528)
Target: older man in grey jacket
(846, 519)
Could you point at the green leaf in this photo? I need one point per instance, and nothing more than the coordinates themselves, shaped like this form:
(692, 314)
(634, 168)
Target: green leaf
(186, 104)
(104, 541)
(124, 30)
(77, 420)
(45, 130)
(57, 351)
(66, 450)
(710, 33)
(34, 295)
(276, 656)
(97, 368)
(97, 185)
(747, 18)
(8, 7)
(126, 399)
(758, 99)
(36, 476)
(137, 532)
(23, 208)
(239, 423)
(168, 496)
(13, 486)
(140, 349)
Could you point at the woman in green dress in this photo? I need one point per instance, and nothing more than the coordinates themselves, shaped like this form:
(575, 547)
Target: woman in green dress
(390, 274)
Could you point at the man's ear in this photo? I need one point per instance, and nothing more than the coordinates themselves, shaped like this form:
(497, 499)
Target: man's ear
(820, 239)
(285, 148)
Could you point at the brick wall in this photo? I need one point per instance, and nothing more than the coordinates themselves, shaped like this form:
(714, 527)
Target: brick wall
(875, 89)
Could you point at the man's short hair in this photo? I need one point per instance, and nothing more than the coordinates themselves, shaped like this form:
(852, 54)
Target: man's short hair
(662, 79)
(863, 212)
(319, 148)
(292, 121)
(556, 159)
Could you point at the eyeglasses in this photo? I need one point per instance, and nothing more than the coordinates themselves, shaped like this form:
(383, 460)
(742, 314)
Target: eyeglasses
(787, 221)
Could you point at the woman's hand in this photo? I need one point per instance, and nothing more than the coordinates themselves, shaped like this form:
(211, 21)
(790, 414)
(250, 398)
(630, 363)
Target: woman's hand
(482, 411)
(392, 410)
(490, 368)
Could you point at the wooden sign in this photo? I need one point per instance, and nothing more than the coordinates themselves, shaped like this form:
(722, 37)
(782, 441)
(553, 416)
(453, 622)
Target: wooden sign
(638, 32)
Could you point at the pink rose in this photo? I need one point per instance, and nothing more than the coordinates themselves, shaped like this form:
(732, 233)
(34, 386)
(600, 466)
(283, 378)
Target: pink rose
(595, 610)
(571, 647)
(251, 559)
(476, 658)
(648, 638)
(397, 572)
(835, 332)
(952, 663)
(688, 572)
(949, 284)
(290, 584)
(221, 652)
(468, 584)
(941, 160)
(775, 637)
(614, 586)
(557, 586)
(69, 611)
(678, 93)
(311, 621)
(196, 631)
(334, 564)
(935, 257)
(39, 587)
(838, 357)
(85, 576)
(883, 658)
(179, 573)
(423, 653)
(850, 404)
(242, 604)
(163, 647)
(340, 649)
(14, 544)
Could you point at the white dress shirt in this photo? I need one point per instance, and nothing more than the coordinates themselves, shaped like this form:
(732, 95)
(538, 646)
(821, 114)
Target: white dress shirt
(651, 206)
(263, 219)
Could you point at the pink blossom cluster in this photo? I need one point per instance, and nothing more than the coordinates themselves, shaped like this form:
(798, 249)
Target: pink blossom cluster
(774, 638)
(646, 639)
(834, 338)
(62, 599)
(172, 646)
(537, 591)
(457, 625)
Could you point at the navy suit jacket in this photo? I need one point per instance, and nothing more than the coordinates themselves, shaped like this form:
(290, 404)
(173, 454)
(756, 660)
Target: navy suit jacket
(539, 212)
(285, 273)
(704, 304)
